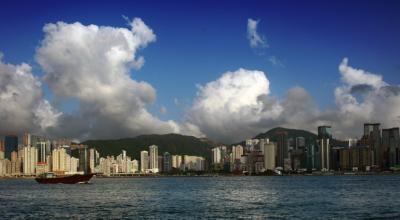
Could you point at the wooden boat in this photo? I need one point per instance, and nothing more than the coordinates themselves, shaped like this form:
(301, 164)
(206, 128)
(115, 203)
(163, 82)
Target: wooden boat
(50, 178)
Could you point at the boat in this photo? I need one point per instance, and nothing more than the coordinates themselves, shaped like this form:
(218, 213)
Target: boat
(50, 178)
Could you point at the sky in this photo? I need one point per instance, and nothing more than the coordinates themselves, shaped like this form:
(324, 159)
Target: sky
(225, 70)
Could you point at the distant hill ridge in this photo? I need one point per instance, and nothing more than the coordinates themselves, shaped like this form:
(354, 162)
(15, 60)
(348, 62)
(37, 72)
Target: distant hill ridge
(293, 133)
(182, 144)
(172, 143)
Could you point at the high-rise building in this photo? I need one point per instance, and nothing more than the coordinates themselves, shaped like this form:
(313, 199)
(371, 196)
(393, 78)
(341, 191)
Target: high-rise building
(84, 165)
(390, 147)
(282, 153)
(153, 149)
(193, 163)
(324, 139)
(144, 161)
(41, 146)
(372, 138)
(300, 143)
(134, 166)
(324, 131)
(237, 152)
(26, 141)
(93, 159)
(11, 144)
(30, 160)
(59, 158)
(2, 156)
(269, 156)
(176, 161)
(167, 160)
(219, 157)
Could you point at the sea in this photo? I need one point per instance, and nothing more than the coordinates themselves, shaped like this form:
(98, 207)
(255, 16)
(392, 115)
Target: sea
(221, 197)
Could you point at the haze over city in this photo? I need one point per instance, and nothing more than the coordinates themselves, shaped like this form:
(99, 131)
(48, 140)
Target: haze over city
(221, 70)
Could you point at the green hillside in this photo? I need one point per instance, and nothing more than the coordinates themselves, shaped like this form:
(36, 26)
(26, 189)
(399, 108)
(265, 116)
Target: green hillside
(173, 143)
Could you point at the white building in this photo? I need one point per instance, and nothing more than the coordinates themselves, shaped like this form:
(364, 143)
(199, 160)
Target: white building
(218, 154)
(153, 159)
(269, 156)
(237, 152)
(176, 161)
(133, 166)
(93, 159)
(30, 160)
(325, 150)
(193, 163)
(62, 162)
(144, 161)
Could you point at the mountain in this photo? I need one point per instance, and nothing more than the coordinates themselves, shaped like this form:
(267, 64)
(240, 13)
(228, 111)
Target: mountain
(293, 133)
(173, 143)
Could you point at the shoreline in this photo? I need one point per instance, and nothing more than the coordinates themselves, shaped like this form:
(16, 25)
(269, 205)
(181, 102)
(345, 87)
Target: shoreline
(226, 175)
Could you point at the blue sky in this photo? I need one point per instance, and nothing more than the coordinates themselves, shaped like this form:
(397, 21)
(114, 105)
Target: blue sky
(199, 41)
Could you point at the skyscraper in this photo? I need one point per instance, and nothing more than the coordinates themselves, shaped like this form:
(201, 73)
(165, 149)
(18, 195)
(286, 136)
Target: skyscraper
(30, 160)
(144, 161)
(153, 158)
(176, 161)
(269, 156)
(372, 138)
(390, 147)
(324, 137)
(1, 149)
(11, 144)
(41, 146)
(167, 160)
(84, 165)
(282, 148)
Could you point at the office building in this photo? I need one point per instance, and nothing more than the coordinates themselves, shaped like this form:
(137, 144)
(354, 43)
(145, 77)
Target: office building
(269, 156)
(167, 162)
(144, 161)
(390, 147)
(282, 149)
(372, 138)
(324, 139)
(153, 160)
(176, 161)
(30, 160)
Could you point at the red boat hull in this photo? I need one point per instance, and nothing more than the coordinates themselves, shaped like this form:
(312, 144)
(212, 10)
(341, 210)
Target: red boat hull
(77, 178)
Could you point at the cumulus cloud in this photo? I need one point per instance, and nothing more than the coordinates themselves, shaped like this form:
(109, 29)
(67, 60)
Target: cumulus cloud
(239, 105)
(256, 40)
(352, 76)
(230, 107)
(22, 105)
(364, 97)
(92, 64)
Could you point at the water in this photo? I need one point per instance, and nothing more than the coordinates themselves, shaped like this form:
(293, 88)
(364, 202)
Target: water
(288, 197)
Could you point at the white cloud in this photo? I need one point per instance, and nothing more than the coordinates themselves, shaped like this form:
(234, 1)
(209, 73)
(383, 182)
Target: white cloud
(239, 105)
(22, 105)
(352, 76)
(364, 97)
(92, 64)
(230, 107)
(256, 40)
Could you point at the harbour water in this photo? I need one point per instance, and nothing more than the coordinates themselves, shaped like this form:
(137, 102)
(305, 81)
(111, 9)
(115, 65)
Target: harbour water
(272, 197)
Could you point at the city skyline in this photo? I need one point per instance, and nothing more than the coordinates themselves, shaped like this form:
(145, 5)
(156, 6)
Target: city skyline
(129, 71)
